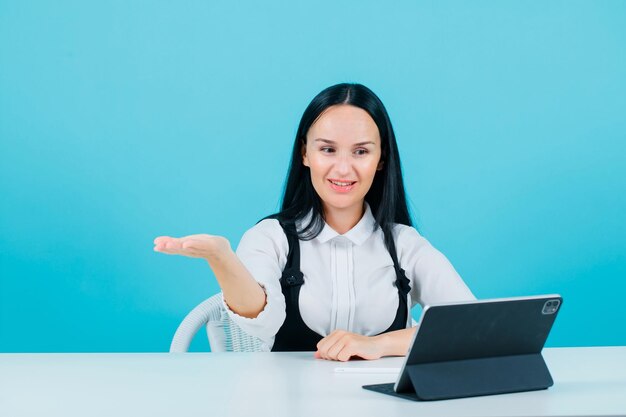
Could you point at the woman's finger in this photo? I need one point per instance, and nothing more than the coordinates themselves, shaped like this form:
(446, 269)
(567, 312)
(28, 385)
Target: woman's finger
(346, 353)
(159, 239)
(160, 243)
(333, 351)
(325, 344)
(170, 246)
(174, 245)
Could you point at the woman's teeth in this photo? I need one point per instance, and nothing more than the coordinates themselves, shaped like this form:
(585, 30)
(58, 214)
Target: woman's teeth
(342, 184)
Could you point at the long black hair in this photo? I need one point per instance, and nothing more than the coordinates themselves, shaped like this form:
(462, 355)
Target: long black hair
(386, 197)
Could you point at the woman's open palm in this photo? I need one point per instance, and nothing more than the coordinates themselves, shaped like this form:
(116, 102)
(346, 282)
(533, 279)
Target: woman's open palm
(194, 246)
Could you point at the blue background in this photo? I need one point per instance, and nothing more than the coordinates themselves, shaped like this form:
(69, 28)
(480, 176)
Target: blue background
(121, 121)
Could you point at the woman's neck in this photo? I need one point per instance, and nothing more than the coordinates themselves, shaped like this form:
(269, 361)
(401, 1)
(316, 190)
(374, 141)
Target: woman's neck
(342, 220)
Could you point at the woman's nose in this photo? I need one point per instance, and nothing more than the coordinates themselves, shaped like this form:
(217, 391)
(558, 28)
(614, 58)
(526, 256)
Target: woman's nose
(343, 165)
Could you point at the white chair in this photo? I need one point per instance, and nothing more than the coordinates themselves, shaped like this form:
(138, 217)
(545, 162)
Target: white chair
(224, 335)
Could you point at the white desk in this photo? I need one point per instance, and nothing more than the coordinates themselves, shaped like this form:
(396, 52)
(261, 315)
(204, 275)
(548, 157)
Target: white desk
(588, 381)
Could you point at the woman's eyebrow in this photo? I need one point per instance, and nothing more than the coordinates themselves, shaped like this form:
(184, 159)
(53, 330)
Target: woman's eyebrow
(332, 142)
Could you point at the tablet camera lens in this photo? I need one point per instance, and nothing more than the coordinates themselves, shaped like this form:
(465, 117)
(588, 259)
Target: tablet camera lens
(550, 307)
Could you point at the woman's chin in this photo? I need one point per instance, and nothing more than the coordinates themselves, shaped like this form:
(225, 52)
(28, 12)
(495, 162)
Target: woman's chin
(342, 204)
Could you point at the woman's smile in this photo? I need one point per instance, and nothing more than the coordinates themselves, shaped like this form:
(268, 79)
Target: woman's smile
(342, 186)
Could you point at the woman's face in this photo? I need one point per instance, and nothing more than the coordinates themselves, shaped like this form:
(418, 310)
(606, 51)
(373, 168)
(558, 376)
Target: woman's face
(343, 152)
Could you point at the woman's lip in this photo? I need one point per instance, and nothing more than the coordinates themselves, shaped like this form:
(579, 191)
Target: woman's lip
(342, 188)
(344, 181)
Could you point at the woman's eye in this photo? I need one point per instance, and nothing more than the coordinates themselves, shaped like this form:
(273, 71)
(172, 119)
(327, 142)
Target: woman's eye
(327, 150)
(360, 152)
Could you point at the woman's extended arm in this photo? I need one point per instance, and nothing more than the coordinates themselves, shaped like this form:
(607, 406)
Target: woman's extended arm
(241, 292)
(341, 345)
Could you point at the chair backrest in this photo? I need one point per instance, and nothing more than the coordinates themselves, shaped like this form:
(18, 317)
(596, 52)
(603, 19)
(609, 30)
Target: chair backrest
(223, 334)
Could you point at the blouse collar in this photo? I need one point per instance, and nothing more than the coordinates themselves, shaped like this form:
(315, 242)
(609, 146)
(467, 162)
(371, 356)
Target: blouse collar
(357, 235)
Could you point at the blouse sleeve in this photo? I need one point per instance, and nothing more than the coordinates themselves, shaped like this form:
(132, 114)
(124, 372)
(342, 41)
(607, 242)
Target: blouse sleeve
(263, 250)
(433, 279)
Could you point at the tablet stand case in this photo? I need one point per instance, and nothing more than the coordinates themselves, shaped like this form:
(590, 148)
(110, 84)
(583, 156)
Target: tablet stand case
(485, 348)
(473, 377)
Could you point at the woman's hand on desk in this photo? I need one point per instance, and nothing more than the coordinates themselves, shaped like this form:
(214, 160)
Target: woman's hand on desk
(341, 346)
(194, 246)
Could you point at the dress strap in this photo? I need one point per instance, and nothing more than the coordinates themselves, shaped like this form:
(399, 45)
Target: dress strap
(294, 334)
(402, 282)
(293, 257)
(292, 276)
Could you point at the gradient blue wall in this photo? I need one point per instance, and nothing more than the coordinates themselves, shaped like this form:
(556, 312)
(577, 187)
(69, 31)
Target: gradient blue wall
(121, 121)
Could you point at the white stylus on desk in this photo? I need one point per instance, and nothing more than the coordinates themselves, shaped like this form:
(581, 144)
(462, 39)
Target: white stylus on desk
(367, 370)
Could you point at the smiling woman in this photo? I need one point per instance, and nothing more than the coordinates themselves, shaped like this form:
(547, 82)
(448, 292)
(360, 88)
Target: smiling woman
(338, 269)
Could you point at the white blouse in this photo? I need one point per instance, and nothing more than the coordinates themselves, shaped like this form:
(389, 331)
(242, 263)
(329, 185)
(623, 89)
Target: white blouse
(348, 279)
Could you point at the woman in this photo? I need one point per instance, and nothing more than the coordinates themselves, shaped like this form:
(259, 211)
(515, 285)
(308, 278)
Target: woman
(338, 268)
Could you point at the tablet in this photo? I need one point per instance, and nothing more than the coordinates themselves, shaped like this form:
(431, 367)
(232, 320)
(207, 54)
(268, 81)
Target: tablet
(477, 348)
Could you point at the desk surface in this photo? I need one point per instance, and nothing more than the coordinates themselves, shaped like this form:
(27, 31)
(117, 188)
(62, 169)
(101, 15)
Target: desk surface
(588, 381)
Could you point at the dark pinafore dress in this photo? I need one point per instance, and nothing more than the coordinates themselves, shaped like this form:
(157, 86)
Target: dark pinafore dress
(294, 334)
